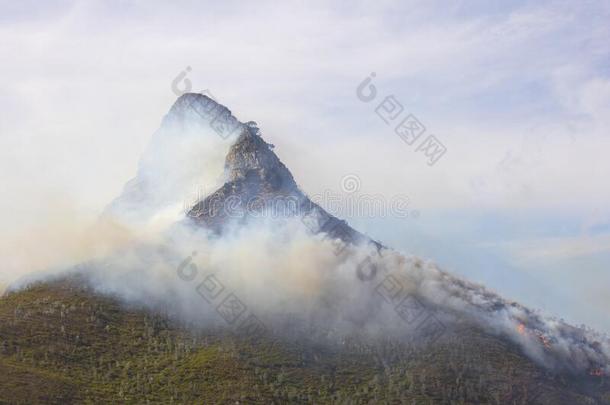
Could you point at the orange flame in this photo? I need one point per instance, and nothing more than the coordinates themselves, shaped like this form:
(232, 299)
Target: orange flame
(545, 341)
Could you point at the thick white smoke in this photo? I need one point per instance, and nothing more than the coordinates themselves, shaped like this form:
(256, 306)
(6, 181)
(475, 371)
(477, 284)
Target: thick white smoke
(277, 270)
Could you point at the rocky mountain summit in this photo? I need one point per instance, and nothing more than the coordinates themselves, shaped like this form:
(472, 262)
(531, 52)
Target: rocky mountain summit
(253, 179)
(257, 182)
(182, 156)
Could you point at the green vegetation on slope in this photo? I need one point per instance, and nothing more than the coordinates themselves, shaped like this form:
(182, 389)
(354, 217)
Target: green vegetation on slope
(60, 343)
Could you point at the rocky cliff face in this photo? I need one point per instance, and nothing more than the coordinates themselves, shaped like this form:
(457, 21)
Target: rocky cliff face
(252, 156)
(258, 183)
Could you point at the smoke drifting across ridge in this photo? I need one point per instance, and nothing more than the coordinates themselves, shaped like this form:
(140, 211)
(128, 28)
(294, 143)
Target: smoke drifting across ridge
(270, 268)
(277, 269)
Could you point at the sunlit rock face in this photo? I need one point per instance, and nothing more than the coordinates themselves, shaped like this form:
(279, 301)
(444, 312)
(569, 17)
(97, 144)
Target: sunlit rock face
(259, 184)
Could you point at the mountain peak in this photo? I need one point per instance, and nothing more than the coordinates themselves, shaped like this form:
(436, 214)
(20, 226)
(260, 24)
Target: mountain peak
(185, 154)
(251, 157)
(195, 102)
(200, 109)
(257, 180)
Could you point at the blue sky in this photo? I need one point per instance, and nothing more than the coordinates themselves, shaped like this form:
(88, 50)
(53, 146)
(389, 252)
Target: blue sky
(518, 92)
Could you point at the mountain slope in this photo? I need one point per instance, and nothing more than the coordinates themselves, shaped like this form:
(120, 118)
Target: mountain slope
(70, 345)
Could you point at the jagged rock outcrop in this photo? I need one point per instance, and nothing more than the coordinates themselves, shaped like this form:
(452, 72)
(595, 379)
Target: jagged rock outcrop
(258, 183)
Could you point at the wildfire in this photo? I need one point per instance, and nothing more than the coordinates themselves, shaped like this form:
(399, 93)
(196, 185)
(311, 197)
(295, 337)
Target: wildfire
(597, 372)
(546, 342)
